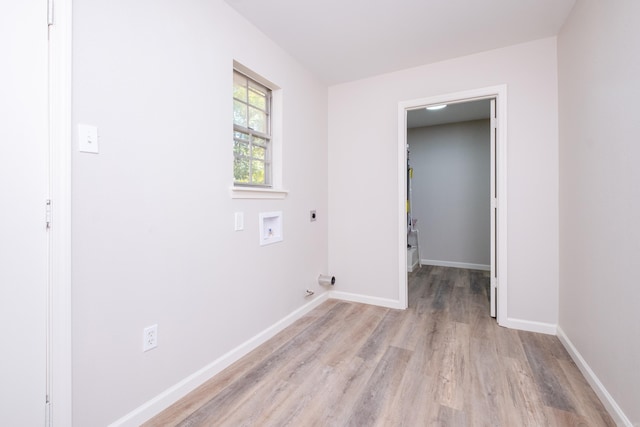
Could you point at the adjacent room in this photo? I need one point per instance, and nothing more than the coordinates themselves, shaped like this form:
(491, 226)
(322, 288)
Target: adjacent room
(236, 212)
(449, 151)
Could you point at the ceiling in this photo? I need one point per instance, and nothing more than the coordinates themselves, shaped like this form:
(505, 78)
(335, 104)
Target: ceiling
(452, 113)
(345, 40)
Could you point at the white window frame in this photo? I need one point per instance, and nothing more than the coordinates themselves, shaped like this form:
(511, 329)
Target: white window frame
(250, 137)
(276, 190)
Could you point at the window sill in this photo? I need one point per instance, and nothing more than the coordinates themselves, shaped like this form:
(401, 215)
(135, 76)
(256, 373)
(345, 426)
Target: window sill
(257, 193)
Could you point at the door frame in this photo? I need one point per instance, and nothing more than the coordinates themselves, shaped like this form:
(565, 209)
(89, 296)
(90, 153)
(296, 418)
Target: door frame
(59, 350)
(500, 94)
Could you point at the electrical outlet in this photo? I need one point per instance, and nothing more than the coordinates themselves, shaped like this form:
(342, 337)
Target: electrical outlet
(150, 337)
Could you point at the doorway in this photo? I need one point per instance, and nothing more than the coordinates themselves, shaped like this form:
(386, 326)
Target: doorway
(496, 204)
(449, 203)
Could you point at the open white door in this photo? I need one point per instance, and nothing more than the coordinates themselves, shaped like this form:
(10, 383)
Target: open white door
(24, 190)
(493, 287)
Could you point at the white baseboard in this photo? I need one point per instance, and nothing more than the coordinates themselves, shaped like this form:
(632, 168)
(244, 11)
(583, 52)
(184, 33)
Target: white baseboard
(365, 299)
(530, 326)
(614, 410)
(181, 389)
(464, 265)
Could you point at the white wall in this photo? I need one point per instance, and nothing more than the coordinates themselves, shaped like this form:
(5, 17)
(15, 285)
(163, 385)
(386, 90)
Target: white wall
(451, 191)
(363, 176)
(599, 65)
(153, 238)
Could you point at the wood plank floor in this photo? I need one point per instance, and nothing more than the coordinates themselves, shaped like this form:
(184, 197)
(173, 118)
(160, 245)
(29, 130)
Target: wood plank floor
(441, 362)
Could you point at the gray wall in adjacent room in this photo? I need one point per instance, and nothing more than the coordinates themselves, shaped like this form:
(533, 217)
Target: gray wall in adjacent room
(451, 191)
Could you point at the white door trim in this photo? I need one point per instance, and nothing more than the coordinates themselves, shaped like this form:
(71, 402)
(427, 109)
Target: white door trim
(60, 352)
(494, 210)
(500, 93)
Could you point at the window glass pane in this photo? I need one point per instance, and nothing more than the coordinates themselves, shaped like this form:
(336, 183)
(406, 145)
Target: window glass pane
(239, 92)
(241, 135)
(258, 100)
(259, 141)
(240, 148)
(239, 113)
(258, 153)
(239, 78)
(257, 120)
(240, 86)
(257, 87)
(241, 170)
(257, 173)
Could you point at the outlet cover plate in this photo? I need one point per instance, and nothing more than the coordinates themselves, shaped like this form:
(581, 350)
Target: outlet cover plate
(150, 337)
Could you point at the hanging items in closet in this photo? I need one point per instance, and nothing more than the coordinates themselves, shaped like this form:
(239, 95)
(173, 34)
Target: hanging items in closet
(409, 177)
(412, 231)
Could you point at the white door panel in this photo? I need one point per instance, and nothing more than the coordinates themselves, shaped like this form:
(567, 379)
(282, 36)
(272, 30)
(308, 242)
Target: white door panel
(24, 179)
(493, 286)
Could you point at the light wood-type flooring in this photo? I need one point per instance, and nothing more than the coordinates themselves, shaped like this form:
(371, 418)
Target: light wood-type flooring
(441, 362)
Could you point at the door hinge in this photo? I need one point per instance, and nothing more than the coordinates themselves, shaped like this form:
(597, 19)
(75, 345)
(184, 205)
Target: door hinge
(48, 213)
(49, 12)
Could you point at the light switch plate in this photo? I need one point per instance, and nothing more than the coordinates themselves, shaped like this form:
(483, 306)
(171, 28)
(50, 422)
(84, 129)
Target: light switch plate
(239, 221)
(87, 138)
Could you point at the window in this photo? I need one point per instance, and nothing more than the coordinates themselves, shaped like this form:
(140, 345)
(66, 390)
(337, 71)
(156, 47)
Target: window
(252, 148)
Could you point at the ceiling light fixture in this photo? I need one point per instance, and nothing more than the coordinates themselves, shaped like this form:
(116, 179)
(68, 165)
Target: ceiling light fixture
(436, 107)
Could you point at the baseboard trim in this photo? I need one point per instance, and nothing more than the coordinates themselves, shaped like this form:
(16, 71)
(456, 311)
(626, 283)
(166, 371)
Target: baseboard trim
(193, 381)
(365, 299)
(531, 326)
(465, 265)
(614, 410)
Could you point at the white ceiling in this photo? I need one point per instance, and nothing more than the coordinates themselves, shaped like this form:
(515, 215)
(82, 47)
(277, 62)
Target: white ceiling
(345, 40)
(452, 113)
